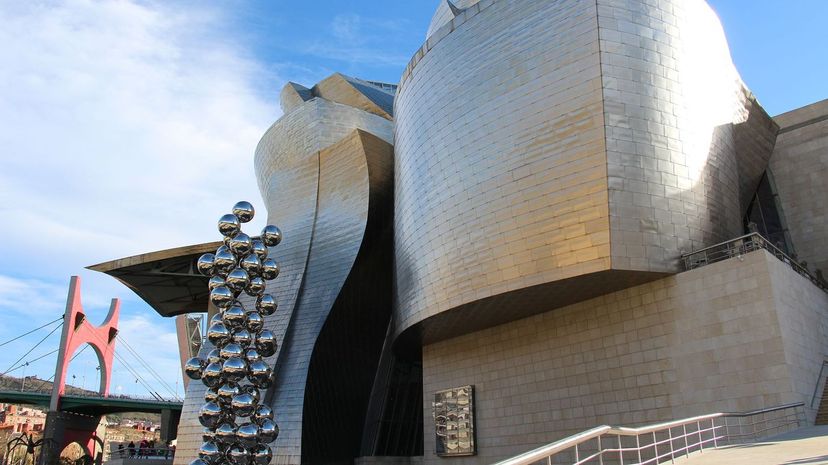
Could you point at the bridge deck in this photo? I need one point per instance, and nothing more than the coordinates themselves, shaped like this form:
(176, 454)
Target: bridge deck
(805, 446)
(90, 405)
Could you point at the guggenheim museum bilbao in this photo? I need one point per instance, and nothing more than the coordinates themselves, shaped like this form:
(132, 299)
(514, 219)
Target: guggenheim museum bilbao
(567, 213)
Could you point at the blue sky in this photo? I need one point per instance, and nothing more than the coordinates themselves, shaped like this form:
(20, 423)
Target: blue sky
(129, 126)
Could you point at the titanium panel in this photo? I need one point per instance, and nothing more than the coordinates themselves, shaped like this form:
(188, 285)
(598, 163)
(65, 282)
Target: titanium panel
(343, 205)
(293, 95)
(538, 142)
(501, 179)
(352, 92)
(309, 128)
(686, 142)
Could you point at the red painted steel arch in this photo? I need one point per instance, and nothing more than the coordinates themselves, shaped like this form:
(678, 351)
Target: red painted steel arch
(78, 331)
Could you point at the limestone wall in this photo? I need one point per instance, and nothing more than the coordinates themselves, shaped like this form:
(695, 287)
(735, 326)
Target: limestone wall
(732, 336)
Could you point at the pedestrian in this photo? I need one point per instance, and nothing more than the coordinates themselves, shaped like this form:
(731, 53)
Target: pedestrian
(121, 450)
(142, 448)
(131, 448)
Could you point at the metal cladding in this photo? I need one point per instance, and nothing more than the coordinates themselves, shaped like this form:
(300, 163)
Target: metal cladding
(325, 173)
(546, 149)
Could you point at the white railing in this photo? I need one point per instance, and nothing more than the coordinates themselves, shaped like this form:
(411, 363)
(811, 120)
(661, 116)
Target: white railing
(655, 444)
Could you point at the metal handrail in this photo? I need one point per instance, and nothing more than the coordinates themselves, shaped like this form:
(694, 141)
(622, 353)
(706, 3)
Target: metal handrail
(705, 433)
(819, 378)
(740, 246)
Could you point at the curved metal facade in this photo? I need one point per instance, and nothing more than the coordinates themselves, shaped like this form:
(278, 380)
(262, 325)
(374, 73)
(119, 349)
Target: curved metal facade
(546, 149)
(325, 172)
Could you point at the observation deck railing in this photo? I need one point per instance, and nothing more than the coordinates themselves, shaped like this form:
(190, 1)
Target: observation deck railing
(655, 444)
(741, 246)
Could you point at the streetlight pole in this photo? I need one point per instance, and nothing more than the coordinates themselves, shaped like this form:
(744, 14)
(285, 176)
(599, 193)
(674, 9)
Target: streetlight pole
(23, 381)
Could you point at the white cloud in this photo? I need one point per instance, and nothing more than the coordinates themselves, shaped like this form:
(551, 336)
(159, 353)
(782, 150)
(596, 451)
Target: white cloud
(125, 127)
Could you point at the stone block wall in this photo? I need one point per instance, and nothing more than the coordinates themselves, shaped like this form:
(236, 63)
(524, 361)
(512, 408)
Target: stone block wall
(731, 336)
(799, 169)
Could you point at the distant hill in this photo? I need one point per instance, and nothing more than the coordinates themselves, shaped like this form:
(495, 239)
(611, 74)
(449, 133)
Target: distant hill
(35, 384)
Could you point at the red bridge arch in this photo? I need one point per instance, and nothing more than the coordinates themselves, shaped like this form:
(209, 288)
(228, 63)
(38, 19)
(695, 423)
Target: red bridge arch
(78, 331)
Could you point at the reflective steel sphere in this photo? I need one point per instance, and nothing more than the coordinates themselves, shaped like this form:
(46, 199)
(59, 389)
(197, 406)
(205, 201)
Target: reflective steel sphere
(252, 355)
(209, 414)
(259, 249)
(231, 350)
(237, 280)
(252, 264)
(261, 454)
(242, 337)
(255, 287)
(215, 281)
(234, 369)
(269, 269)
(229, 225)
(226, 392)
(248, 434)
(268, 431)
(194, 367)
(211, 395)
(208, 434)
(218, 334)
(238, 455)
(243, 404)
(211, 376)
(266, 343)
(227, 415)
(206, 264)
(255, 322)
(226, 433)
(271, 235)
(199, 462)
(244, 211)
(225, 261)
(221, 297)
(210, 453)
(241, 244)
(214, 356)
(266, 305)
(262, 413)
(259, 374)
(234, 317)
(253, 391)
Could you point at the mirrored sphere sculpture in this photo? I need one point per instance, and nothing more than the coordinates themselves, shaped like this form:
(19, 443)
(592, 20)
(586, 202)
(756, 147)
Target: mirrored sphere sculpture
(229, 225)
(266, 305)
(234, 318)
(261, 455)
(194, 367)
(268, 431)
(241, 244)
(235, 371)
(206, 264)
(270, 270)
(271, 235)
(238, 455)
(210, 453)
(243, 210)
(259, 249)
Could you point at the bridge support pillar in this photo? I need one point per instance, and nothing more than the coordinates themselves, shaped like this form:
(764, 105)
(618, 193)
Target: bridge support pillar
(64, 428)
(169, 424)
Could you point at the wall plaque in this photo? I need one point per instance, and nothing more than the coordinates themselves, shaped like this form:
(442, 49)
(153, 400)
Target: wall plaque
(454, 422)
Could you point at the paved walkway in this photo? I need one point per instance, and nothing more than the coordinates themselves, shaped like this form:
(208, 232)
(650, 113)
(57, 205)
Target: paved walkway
(806, 446)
